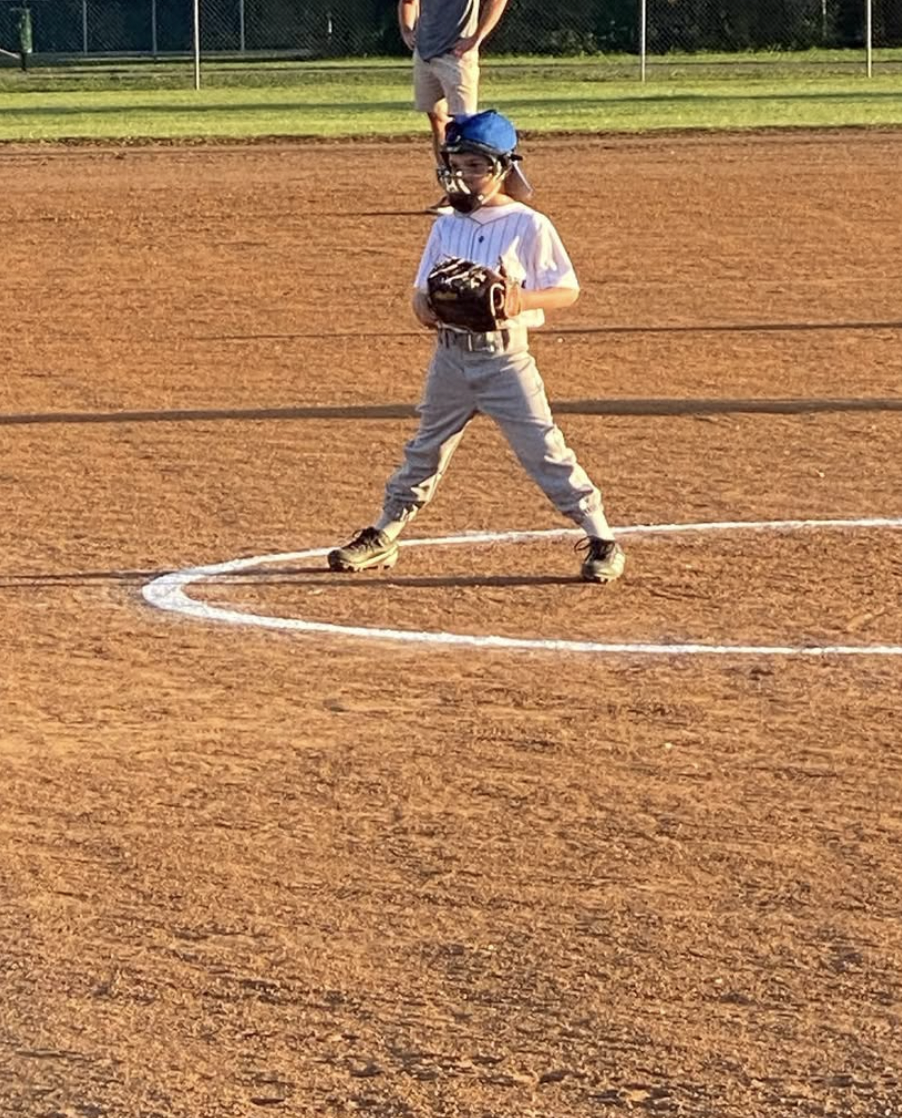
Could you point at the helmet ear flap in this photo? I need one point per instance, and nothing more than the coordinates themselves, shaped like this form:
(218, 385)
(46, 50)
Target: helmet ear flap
(516, 185)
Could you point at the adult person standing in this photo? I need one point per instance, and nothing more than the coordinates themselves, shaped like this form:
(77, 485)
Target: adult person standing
(445, 37)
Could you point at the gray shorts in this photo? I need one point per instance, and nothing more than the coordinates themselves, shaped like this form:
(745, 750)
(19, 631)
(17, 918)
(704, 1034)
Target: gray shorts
(446, 85)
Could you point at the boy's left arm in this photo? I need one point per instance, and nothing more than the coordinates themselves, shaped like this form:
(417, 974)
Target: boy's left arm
(518, 299)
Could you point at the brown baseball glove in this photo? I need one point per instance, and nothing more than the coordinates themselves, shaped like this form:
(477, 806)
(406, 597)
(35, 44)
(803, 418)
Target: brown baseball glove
(471, 296)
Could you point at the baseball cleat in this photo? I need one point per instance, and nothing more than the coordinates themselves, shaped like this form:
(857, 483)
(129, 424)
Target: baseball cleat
(368, 550)
(603, 561)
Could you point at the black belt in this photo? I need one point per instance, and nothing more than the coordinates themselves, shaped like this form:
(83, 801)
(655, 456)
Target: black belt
(494, 341)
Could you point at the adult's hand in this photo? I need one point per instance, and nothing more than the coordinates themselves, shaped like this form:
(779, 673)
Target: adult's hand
(409, 35)
(465, 45)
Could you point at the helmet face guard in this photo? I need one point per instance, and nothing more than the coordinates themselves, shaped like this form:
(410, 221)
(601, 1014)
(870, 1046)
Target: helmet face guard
(454, 183)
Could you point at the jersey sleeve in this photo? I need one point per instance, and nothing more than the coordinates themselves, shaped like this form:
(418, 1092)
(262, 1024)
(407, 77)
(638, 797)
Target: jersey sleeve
(550, 265)
(432, 253)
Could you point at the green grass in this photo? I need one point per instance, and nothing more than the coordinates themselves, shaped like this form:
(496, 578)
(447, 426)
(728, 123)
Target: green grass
(339, 98)
(108, 73)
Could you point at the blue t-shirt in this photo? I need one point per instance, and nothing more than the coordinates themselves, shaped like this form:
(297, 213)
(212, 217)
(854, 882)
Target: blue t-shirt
(442, 23)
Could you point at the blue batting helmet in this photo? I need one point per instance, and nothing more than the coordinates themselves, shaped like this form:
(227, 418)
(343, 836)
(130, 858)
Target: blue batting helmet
(488, 133)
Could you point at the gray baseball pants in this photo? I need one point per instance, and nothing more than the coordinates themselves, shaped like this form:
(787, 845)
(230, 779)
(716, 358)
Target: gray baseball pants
(503, 382)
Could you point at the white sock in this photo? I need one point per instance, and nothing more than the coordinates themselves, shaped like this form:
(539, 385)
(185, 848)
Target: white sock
(389, 527)
(596, 524)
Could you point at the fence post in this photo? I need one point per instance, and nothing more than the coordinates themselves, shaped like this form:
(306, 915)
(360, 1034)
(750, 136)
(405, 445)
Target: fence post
(153, 28)
(242, 41)
(643, 33)
(869, 35)
(197, 44)
(84, 26)
(26, 36)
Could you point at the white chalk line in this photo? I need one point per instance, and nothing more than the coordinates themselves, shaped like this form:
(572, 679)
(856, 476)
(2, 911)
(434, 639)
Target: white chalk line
(168, 592)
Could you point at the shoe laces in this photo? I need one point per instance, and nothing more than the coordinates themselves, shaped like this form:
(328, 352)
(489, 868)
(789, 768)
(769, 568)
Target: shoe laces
(593, 547)
(365, 539)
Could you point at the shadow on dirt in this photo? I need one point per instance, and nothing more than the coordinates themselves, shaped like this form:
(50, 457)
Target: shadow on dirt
(669, 406)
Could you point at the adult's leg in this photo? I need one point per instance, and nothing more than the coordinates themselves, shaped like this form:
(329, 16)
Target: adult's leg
(460, 82)
(459, 79)
(429, 98)
(438, 123)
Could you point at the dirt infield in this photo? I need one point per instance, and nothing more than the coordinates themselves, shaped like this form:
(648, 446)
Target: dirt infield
(245, 872)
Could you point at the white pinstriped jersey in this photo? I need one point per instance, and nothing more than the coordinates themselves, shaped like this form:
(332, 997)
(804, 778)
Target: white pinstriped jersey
(515, 235)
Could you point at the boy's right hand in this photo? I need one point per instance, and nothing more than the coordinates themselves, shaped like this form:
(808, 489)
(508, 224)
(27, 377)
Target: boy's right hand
(422, 308)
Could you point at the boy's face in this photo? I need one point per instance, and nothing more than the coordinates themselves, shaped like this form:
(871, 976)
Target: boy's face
(472, 180)
(475, 169)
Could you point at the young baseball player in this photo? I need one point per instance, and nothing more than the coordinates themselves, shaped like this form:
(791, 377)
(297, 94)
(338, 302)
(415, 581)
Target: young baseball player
(491, 372)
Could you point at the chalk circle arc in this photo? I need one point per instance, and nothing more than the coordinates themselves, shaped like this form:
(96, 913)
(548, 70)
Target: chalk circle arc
(169, 593)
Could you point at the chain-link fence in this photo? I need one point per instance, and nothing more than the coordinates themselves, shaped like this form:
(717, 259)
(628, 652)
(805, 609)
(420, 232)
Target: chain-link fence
(356, 28)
